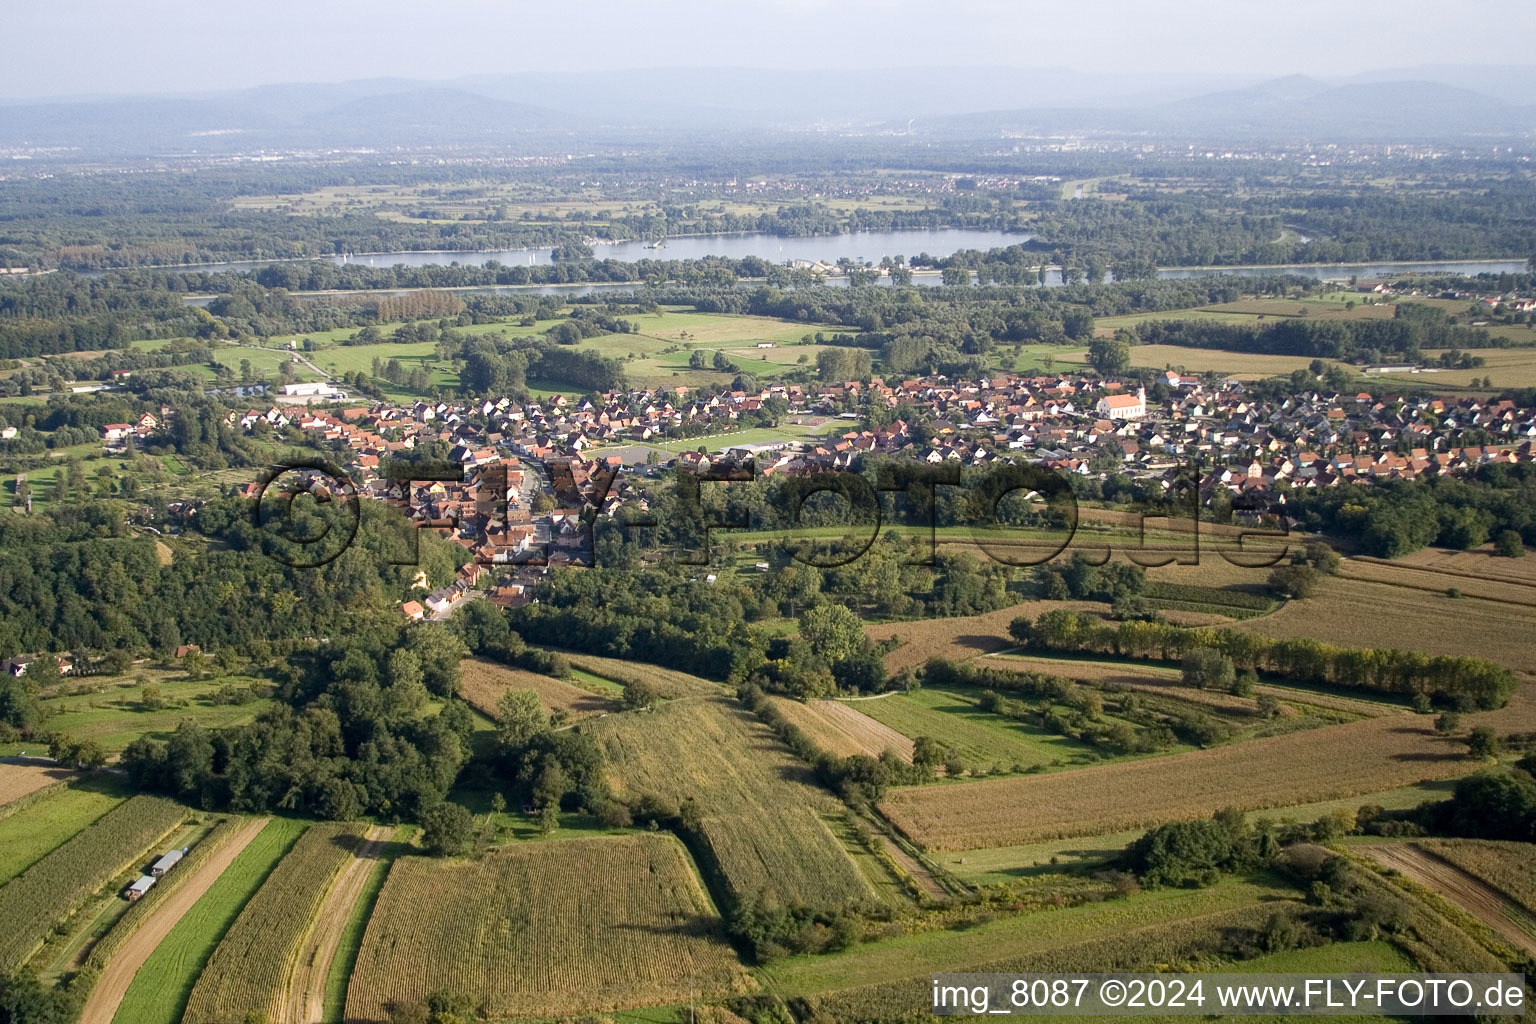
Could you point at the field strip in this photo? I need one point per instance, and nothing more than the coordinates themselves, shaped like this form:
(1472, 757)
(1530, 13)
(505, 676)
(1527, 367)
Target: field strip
(101, 1005)
(912, 866)
(1465, 890)
(303, 999)
(1328, 763)
(19, 779)
(1153, 677)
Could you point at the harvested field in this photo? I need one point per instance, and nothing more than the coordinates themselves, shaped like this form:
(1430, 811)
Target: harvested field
(960, 638)
(1467, 891)
(1319, 764)
(560, 928)
(760, 812)
(485, 681)
(183, 891)
(1357, 613)
(23, 780)
(248, 972)
(1481, 563)
(668, 682)
(840, 728)
(1506, 866)
(1438, 580)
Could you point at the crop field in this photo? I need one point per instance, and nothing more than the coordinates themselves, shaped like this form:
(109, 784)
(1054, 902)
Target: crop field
(761, 814)
(576, 926)
(840, 728)
(1008, 863)
(147, 922)
(669, 683)
(23, 780)
(1013, 937)
(1406, 618)
(32, 831)
(160, 989)
(1166, 681)
(247, 973)
(1506, 367)
(1320, 764)
(51, 890)
(1506, 866)
(980, 738)
(484, 682)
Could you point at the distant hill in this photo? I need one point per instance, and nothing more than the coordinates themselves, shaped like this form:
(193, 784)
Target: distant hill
(1285, 109)
(980, 102)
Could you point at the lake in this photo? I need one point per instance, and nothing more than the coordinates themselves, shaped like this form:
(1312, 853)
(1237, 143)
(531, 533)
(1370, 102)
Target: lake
(865, 246)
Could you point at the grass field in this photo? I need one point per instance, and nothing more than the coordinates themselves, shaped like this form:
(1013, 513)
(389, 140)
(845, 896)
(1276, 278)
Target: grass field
(1376, 957)
(34, 831)
(980, 738)
(1328, 763)
(761, 816)
(160, 990)
(118, 715)
(557, 928)
(484, 682)
(247, 972)
(1014, 936)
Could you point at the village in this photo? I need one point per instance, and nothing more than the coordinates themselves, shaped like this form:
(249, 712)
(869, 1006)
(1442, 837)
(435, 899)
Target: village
(522, 478)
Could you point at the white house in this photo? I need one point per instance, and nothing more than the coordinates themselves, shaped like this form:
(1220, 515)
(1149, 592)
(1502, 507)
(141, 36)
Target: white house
(1123, 407)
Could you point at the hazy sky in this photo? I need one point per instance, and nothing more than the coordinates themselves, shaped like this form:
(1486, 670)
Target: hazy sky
(62, 47)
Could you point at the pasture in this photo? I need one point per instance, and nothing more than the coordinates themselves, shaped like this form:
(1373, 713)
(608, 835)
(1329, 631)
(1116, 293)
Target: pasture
(980, 739)
(114, 713)
(569, 927)
(760, 812)
(248, 971)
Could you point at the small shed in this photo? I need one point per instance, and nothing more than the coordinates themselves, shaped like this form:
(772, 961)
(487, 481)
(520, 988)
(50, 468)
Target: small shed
(167, 862)
(139, 888)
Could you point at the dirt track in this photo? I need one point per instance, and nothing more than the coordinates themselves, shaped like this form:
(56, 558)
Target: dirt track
(1466, 891)
(101, 1005)
(303, 1001)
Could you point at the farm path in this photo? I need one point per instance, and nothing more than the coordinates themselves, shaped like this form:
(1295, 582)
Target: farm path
(101, 1005)
(914, 867)
(1484, 902)
(303, 1000)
